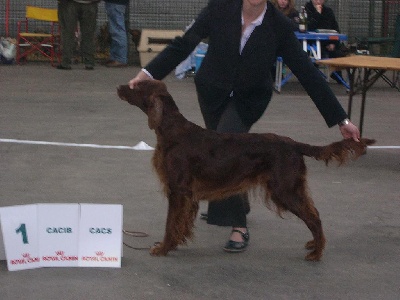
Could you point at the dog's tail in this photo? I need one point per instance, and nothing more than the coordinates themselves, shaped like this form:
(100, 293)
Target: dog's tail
(340, 151)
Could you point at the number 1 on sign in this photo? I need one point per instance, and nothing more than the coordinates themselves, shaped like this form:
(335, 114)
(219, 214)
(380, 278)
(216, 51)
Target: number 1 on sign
(22, 229)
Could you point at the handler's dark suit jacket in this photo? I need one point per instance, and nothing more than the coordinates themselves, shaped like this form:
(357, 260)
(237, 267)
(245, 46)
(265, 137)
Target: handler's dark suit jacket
(224, 69)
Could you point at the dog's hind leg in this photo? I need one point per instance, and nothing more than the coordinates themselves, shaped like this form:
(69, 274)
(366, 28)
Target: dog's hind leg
(309, 214)
(296, 200)
(306, 211)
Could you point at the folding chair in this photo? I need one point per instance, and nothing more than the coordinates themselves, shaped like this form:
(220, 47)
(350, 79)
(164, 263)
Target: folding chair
(394, 82)
(282, 74)
(29, 41)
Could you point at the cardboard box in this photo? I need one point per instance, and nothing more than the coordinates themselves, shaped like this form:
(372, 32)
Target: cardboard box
(153, 42)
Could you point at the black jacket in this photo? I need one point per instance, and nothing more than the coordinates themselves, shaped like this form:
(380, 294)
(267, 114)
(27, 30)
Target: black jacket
(248, 75)
(324, 20)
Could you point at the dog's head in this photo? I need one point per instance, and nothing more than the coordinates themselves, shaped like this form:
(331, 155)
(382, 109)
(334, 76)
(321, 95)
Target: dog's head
(146, 95)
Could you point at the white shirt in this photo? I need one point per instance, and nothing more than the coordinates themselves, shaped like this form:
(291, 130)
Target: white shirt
(249, 29)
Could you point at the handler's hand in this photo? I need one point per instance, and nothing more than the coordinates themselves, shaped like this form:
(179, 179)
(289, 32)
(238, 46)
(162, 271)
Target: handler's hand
(350, 131)
(331, 47)
(139, 77)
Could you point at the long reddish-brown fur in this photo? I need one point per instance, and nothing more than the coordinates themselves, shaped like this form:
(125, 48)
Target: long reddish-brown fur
(196, 164)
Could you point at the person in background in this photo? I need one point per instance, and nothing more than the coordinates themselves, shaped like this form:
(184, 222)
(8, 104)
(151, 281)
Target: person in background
(69, 14)
(234, 84)
(320, 16)
(288, 9)
(116, 12)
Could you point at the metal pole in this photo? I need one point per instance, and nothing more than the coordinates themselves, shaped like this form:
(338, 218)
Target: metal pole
(371, 18)
(7, 17)
(127, 26)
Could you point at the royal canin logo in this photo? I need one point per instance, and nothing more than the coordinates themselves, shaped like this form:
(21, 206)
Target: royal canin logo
(60, 253)
(99, 253)
(26, 255)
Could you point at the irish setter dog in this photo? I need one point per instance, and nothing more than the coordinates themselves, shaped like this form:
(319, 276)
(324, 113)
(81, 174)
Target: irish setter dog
(196, 164)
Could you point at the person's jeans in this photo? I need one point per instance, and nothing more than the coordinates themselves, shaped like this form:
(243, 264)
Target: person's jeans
(117, 29)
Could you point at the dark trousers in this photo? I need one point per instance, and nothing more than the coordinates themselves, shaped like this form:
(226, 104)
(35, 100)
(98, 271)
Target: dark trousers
(333, 54)
(69, 14)
(231, 211)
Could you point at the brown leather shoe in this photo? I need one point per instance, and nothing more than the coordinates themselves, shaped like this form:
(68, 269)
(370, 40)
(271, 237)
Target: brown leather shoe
(115, 64)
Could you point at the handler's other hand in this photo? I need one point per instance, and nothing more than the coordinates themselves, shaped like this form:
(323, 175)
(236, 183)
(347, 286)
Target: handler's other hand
(139, 77)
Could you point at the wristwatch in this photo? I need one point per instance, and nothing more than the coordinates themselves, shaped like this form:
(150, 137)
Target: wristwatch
(344, 122)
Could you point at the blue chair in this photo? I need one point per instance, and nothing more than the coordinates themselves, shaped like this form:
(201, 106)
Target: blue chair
(283, 75)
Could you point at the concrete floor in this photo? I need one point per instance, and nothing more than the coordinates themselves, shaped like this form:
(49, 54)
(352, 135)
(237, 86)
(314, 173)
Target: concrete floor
(359, 203)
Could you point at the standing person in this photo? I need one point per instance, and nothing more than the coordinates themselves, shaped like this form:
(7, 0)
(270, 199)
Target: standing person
(70, 12)
(288, 9)
(116, 11)
(234, 84)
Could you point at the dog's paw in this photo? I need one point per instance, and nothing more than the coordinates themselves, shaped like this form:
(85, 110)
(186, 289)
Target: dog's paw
(158, 249)
(313, 256)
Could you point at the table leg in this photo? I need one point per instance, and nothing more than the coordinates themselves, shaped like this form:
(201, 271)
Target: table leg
(364, 88)
(368, 81)
(351, 72)
(391, 83)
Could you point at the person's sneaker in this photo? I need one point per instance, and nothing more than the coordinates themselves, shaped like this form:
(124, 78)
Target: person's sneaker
(115, 64)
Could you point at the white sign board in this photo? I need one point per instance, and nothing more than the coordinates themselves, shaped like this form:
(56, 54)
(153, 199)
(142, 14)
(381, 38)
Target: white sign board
(2, 251)
(100, 235)
(19, 227)
(58, 229)
(61, 235)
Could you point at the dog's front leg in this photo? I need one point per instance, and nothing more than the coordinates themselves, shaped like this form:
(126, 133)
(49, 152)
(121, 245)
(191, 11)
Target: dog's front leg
(182, 211)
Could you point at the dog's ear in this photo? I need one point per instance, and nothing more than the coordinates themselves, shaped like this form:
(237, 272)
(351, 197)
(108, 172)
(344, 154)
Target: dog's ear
(155, 111)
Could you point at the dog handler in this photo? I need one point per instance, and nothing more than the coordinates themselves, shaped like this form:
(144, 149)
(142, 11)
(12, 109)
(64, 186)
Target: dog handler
(234, 84)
